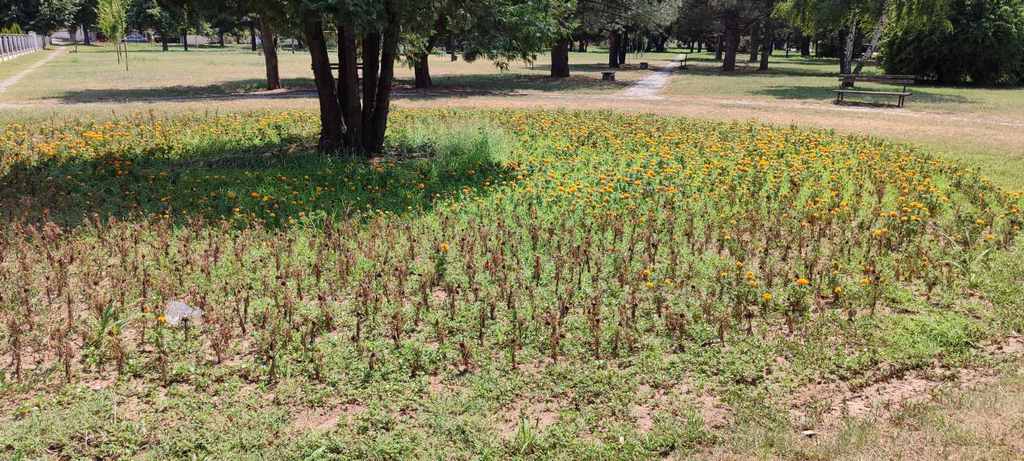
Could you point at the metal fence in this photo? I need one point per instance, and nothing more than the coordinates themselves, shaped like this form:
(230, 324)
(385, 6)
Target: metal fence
(12, 46)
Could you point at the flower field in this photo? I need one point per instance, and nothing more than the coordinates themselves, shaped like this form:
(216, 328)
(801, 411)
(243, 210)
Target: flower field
(494, 260)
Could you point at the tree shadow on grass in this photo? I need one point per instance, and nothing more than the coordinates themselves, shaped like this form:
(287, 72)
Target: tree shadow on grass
(229, 89)
(277, 184)
(510, 83)
(750, 70)
(741, 58)
(445, 86)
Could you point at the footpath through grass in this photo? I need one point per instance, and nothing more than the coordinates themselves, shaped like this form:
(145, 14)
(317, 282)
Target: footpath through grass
(571, 284)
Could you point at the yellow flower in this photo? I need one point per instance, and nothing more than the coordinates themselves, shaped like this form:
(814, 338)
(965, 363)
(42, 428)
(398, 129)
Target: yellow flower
(767, 297)
(802, 282)
(443, 247)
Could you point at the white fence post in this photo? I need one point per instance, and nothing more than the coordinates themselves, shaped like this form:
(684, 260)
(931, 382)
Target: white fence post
(12, 46)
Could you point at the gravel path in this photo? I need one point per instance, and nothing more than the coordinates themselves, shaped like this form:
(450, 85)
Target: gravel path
(650, 86)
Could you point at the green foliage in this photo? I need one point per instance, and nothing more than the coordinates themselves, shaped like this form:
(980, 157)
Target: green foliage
(982, 42)
(915, 341)
(11, 29)
(112, 17)
(54, 14)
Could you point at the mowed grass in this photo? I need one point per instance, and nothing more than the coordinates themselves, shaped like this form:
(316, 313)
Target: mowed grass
(92, 74)
(503, 284)
(12, 67)
(800, 79)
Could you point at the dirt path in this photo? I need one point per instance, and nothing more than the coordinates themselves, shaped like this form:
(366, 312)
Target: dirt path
(10, 81)
(650, 86)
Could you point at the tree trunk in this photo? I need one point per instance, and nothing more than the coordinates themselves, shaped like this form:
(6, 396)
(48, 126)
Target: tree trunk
(163, 39)
(623, 47)
(766, 45)
(371, 68)
(270, 53)
(659, 43)
(85, 35)
(847, 57)
(560, 58)
(184, 39)
(252, 35)
(875, 37)
(331, 125)
(718, 49)
(422, 70)
(805, 46)
(348, 86)
(389, 52)
(732, 44)
(220, 38)
(755, 35)
(613, 50)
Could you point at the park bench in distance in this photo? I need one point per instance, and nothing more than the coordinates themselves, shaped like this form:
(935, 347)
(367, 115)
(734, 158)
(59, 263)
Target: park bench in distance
(337, 66)
(846, 82)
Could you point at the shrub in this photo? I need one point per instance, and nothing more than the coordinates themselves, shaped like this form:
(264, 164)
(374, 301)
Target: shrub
(11, 29)
(982, 42)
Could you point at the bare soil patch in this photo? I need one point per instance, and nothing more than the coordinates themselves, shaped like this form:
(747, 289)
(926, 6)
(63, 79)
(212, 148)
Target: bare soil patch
(823, 407)
(324, 419)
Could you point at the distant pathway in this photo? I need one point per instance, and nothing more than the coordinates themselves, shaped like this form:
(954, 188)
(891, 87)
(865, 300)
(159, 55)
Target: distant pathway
(10, 81)
(650, 86)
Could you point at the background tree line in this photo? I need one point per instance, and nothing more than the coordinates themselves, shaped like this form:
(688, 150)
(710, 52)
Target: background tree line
(354, 45)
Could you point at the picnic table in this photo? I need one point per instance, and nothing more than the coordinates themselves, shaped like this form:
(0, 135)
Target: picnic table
(847, 82)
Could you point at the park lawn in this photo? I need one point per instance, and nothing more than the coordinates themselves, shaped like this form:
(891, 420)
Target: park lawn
(93, 75)
(504, 284)
(11, 67)
(976, 125)
(799, 79)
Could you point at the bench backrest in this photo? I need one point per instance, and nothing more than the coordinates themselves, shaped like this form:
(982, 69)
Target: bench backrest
(892, 79)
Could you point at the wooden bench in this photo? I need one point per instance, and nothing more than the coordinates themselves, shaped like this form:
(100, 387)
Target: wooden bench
(847, 81)
(335, 66)
(608, 76)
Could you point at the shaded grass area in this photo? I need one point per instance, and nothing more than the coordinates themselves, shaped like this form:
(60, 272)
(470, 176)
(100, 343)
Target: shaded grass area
(92, 75)
(274, 178)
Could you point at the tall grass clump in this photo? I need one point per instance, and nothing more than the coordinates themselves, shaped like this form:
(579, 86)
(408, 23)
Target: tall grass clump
(464, 147)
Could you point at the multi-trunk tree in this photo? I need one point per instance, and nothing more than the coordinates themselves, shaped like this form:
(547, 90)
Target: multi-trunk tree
(373, 35)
